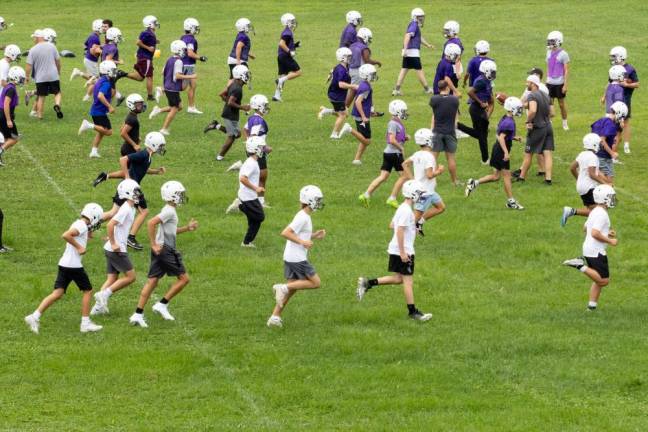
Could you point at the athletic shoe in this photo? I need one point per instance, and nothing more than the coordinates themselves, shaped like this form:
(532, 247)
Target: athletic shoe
(363, 286)
(150, 98)
(90, 327)
(211, 126)
(33, 323)
(33, 114)
(86, 98)
(356, 162)
(120, 100)
(516, 173)
(392, 202)
(194, 110)
(419, 229)
(85, 125)
(220, 158)
(163, 310)
(158, 93)
(277, 98)
(564, 125)
(548, 182)
(280, 84)
(274, 321)
(396, 92)
(334, 136)
(626, 148)
(248, 245)
(320, 114)
(577, 263)
(364, 200)
(459, 134)
(377, 114)
(101, 304)
(5, 249)
(265, 205)
(458, 183)
(94, 153)
(165, 132)
(471, 184)
(417, 315)
(617, 161)
(512, 204)
(566, 214)
(345, 130)
(137, 320)
(486, 162)
(75, 73)
(133, 243)
(235, 166)
(59, 113)
(280, 293)
(121, 74)
(234, 207)
(155, 111)
(102, 177)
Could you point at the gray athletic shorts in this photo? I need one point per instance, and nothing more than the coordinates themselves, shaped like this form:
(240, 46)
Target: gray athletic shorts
(92, 68)
(298, 270)
(168, 262)
(606, 166)
(231, 127)
(539, 140)
(188, 69)
(355, 76)
(444, 143)
(117, 262)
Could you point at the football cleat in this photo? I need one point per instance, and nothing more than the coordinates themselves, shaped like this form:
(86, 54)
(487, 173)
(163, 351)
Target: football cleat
(363, 286)
(274, 321)
(163, 310)
(471, 184)
(577, 263)
(90, 327)
(280, 293)
(32, 323)
(417, 315)
(137, 320)
(512, 204)
(392, 202)
(566, 214)
(364, 200)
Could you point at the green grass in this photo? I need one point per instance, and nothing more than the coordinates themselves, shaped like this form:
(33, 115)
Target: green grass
(510, 346)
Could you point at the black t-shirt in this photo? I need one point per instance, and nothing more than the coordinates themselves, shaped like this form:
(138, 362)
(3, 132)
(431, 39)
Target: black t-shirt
(134, 134)
(11, 93)
(235, 89)
(138, 165)
(541, 118)
(445, 109)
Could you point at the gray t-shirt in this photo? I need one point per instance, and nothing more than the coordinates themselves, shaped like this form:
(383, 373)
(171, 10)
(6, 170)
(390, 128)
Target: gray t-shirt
(445, 109)
(542, 100)
(167, 231)
(392, 128)
(42, 57)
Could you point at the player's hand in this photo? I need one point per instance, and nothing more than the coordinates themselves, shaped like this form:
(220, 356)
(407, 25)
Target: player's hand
(245, 107)
(9, 123)
(365, 120)
(529, 126)
(156, 248)
(404, 257)
(297, 44)
(506, 156)
(202, 59)
(379, 64)
(440, 169)
(319, 234)
(615, 155)
(564, 89)
(111, 109)
(192, 225)
(307, 244)
(81, 250)
(612, 234)
(260, 189)
(517, 138)
(115, 247)
(613, 241)
(408, 137)
(402, 53)
(251, 56)
(457, 93)
(602, 100)
(161, 170)
(293, 53)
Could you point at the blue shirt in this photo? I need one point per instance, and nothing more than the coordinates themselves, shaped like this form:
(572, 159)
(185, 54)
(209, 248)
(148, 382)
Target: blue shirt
(340, 74)
(444, 69)
(364, 90)
(93, 39)
(148, 38)
(473, 68)
(287, 37)
(104, 85)
(138, 165)
(607, 128)
(192, 44)
(506, 126)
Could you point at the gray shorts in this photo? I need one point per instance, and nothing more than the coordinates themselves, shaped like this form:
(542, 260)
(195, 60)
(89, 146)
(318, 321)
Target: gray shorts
(188, 69)
(298, 270)
(117, 262)
(92, 68)
(539, 140)
(606, 166)
(427, 201)
(231, 127)
(444, 143)
(355, 76)
(168, 262)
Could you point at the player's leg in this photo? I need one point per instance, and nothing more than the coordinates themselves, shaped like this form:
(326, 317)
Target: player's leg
(526, 164)
(421, 77)
(548, 164)
(492, 177)
(171, 113)
(292, 75)
(399, 82)
(111, 278)
(435, 209)
(40, 102)
(191, 93)
(508, 187)
(86, 298)
(398, 184)
(229, 140)
(149, 85)
(146, 292)
(408, 289)
(340, 118)
(375, 183)
(121, 283)
(627, 133)
(50, 300)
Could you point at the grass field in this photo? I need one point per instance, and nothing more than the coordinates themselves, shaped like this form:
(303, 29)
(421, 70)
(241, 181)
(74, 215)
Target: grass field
(510, 346)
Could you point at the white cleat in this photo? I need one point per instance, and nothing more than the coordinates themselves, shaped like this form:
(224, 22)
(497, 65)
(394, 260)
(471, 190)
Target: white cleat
(345, 130)
(626, 148)
(235, 166)
(75, 73)
(163, 310)
(32, 323)
(275, 321)
(356, 162)
(280, 293)
(94, 153)
(90, 327)
(137, 320)
(165, 132)
(334, 136)
(320, 114)
(155, 111)
(33, 113)
(86, 98)
(265, 205)
(234, 207)
(85, 125)
(363, 285)
(459, 134)
(397, 93)
(101, 304)
(248, 245)
(194, 110)
(158, 93)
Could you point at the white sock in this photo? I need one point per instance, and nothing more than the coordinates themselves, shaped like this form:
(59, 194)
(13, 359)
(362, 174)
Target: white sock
(282, 80)
(422, 220)
(564, 122)
(592, 304)
(476, 183)
(107, 293)
(583, 269)
(277, 94)
(85, 320)
(262, 200)
(327, 111)
(391, 197)
(36, 314)
(367, 194)
(118, 95)
(626, 143)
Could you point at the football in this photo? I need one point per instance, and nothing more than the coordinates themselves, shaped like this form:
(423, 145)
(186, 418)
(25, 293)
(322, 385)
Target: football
(501, 97)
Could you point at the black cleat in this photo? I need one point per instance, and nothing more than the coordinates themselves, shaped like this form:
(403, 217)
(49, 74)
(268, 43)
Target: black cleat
(519, 179)
(548, 182)
(121, 100)
(121, 74)
(214, 125)
(102, 177)
(417, 315)
(59, 113)
(419, 229)
(150, 98)
(516, 173)
(541, 174)
(133, 243)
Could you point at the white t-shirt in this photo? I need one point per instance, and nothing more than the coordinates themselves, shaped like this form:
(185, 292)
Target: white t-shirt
(71, 257)
(404, 217)
(598, 219)
(4, 71)
(168, 229)
(563, 58)
(250, 169)
(303, 227)
(584, 183)
(421, 161)
(543, 88)
(124, 217)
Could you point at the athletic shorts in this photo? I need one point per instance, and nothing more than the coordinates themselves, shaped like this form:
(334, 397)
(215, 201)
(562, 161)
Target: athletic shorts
(338, 106)
(396, 265)
(231, 127)
(444, 143)
(144, 67)
(365, 130)
(102, 121)
(48, 88)
(286, 64)
(117, 262)
(392, 161)
(188, 69)
(91, 67)
(298, 270)
(168, 262)
(588, 198)
(127, 149)
(6, 131)
(263, 162)
(539, 140)
(628, 102)
(600, 264)
(555, 91)
(427, 201)
(497, 158)
(173, 98)
(77, 275)
(141, 204)
(232, 66)
(355, 76)
(606, 166)
(412, 63)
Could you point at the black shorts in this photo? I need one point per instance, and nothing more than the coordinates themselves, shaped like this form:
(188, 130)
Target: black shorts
(555, 91)
(127, 149)
(263, 162)
(77, 275)
(497, 158)
(392, 161)
(600, 264)
(117, 262)
(102, 121)
(232, 66)
(338, 106)
(168, 262)
(6, 131)
(48, 88)
(588, 198)
(141, 204)
(173, 98)
(286, 64)
(396, 265)
(628, 101)
(412, 63)
(365, 130)
(539, 140)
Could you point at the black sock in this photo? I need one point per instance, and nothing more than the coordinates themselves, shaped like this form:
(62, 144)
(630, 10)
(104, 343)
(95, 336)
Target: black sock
(164, 301)
(139, 310)
(372, 283)
(411, 308)
(1, 221)
(131, 237)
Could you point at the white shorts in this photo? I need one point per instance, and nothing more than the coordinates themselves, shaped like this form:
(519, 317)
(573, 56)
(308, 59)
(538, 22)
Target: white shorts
(427, 201)
(92, 68)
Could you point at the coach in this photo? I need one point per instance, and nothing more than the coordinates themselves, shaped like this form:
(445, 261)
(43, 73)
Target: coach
(444, 119)
(540, 139)
(44, 66)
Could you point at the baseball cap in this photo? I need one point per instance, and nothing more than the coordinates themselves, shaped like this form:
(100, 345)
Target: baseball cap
(535, 71)
(534, 79)
(38, 33)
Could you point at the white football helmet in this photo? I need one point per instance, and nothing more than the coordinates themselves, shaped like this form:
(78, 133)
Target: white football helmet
(605, 194)
(354, 17)
(108, 68)
(150, 22)
(592, 141)
(620, 110)
(452, 52)
(97, 26)
(156, 142)
(312, 196)
(241, 72)
(365, 35)
(192, 26)
(618, 55)
(16, 75)
(413, 189)
(3, 24)
(129, 189)
(398, 108)
(244, 25)
(368, 72)
(132, 102)
(115, 35)
(49, 35)
(617, 73)
(255, 145)
(94, 213)
(451, 29)
(513, 105)
(417, 14)
(289, 21)
(482, 47)
(173, 191)
(260, 103)
(179, 48)
(554, 39)
(423, 137)
(489, 69)
(12, 52)
(343, 55)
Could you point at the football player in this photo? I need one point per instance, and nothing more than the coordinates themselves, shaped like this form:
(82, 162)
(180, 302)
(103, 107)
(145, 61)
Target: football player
(92, 48)
(360, 55)
(445, 70)
(558, 72)
(8, 103)
(288, 68)
(618, 56)
(362, 110)
(411, 52)
(609, 128)
(191, 29)
(337, 92)
(482, 48)
(350, 33)
(249, 189)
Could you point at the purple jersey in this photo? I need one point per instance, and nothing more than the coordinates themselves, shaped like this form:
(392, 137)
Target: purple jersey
(287, 37)
(483, 89)
(245, 50)
(607, 128)
(454, 40)
(444, 69)
(349, 36)
(340, 74)
(631, 75)
(148, 38)
(110, 49)
(414, 30)
(172, 67)
(9, 91)
(364, 90)
(356, 54)
(105, 86)
(396, 127)
(256, 125)
(613, 93)
(555, 69)
(93, 39)
(473, 68)
(506, 126)
(192, 44)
